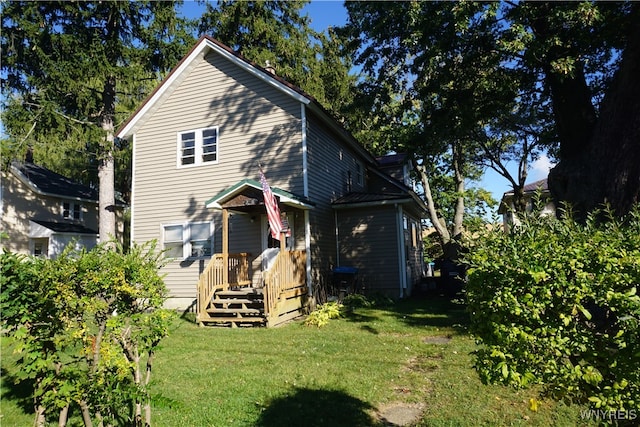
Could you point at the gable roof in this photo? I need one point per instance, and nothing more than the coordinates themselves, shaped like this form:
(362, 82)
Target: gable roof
(48, 183)
(197, 54)
(250, 185)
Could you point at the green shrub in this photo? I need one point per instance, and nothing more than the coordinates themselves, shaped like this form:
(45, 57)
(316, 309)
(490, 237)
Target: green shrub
(324, 313)
(555, 302)
(86, 326)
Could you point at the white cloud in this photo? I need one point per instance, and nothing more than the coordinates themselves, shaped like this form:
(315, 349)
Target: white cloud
(540, 168)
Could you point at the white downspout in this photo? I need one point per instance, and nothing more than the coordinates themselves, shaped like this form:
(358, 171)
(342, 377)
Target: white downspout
(335, 221)
(305, 165)
(133, 189)
(402, 264)
(305, 186)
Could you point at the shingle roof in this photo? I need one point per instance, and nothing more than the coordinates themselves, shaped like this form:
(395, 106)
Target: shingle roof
(65, 227)
(355, 198)
(49, 183)
(533, 187)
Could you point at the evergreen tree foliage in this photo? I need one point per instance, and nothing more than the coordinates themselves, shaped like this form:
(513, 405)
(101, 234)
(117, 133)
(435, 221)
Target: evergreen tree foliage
(72, 71)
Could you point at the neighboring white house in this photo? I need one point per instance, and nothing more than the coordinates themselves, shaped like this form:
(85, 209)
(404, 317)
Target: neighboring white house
(531, 191)
(42, 211)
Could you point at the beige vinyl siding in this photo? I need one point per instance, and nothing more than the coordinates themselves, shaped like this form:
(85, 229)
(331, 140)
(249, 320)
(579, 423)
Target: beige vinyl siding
(328, 163)
(256, 122)
(20, 205)
(368, 241)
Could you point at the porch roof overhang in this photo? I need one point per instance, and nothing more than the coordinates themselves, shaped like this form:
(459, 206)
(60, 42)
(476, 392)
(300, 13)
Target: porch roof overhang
(363, 200)
(39, 229)
(246, 195)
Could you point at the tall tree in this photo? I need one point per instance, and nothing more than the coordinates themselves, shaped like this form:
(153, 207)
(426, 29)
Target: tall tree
(73, 70)
(277, 32)
(425, 93)
(507, 80)
(588, 55)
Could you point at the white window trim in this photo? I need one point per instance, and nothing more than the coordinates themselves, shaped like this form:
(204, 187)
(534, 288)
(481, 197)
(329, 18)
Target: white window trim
(198, 148)
(186, 237)
(72, 208)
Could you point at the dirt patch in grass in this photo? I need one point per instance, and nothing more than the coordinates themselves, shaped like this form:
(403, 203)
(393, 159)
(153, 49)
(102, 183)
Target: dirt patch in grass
(437, 340)
(400, 413)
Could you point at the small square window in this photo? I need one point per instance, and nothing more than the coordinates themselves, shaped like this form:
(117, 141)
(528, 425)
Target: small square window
(71, 211)
(198, 147)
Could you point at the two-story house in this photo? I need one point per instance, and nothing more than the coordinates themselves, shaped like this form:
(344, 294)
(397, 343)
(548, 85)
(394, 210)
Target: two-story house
(198, 143)
(42, 212)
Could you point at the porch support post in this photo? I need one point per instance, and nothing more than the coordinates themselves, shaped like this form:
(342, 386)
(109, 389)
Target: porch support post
(283, 241)
(225, 246)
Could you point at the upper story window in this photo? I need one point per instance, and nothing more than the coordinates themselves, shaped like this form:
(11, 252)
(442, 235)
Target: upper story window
(72, 211)
(359, 174)
(189, 240)
(197, 147)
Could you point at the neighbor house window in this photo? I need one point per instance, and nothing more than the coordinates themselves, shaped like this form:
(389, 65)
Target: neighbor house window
(189, 240)
(40, 247)
(71, 210)
(197, 147)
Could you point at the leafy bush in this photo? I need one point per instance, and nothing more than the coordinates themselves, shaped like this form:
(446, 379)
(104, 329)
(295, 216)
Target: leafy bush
(555, 302)
(352, 301)
(86, 326)
(324, 313)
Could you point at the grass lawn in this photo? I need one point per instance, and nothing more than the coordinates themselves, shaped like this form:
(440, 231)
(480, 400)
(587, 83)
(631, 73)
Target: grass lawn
(414, 354)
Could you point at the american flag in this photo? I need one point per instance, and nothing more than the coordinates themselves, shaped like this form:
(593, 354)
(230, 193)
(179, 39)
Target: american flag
(273, 212)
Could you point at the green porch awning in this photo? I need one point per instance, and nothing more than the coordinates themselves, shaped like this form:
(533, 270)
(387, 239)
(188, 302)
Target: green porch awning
(248, 192)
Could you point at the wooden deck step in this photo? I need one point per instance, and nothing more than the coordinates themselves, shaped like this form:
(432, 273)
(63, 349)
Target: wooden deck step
(255, 311)
(235, 320)
(225, 302)
(236, 301)
(240, 292)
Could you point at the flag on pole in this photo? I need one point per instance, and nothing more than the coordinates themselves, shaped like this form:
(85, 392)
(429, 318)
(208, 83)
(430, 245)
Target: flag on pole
(273, 211)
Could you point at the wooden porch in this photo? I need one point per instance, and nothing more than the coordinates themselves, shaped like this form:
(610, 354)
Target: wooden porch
(228, 294)
(227, 297)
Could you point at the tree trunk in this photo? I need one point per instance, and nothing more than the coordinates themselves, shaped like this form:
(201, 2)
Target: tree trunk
(458, 213)
(607, 170)
(39, 420)
(441, 228)
(86, 414)
(106, 168)
(62, 418)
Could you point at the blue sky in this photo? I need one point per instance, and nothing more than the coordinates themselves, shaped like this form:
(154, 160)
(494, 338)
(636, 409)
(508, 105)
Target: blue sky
(326, 13)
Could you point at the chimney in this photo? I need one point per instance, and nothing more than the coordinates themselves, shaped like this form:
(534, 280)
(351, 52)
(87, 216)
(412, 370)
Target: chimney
(269, 67)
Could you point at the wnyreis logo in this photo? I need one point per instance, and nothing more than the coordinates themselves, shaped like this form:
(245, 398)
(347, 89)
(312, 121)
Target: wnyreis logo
(600, 415)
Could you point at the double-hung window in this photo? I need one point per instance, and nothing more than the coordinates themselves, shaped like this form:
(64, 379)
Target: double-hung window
(197, 147)
(71, 211)
(188, 240)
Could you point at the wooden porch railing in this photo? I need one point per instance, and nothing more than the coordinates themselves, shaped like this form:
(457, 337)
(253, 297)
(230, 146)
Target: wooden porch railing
(216, 277)
(286, 279)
